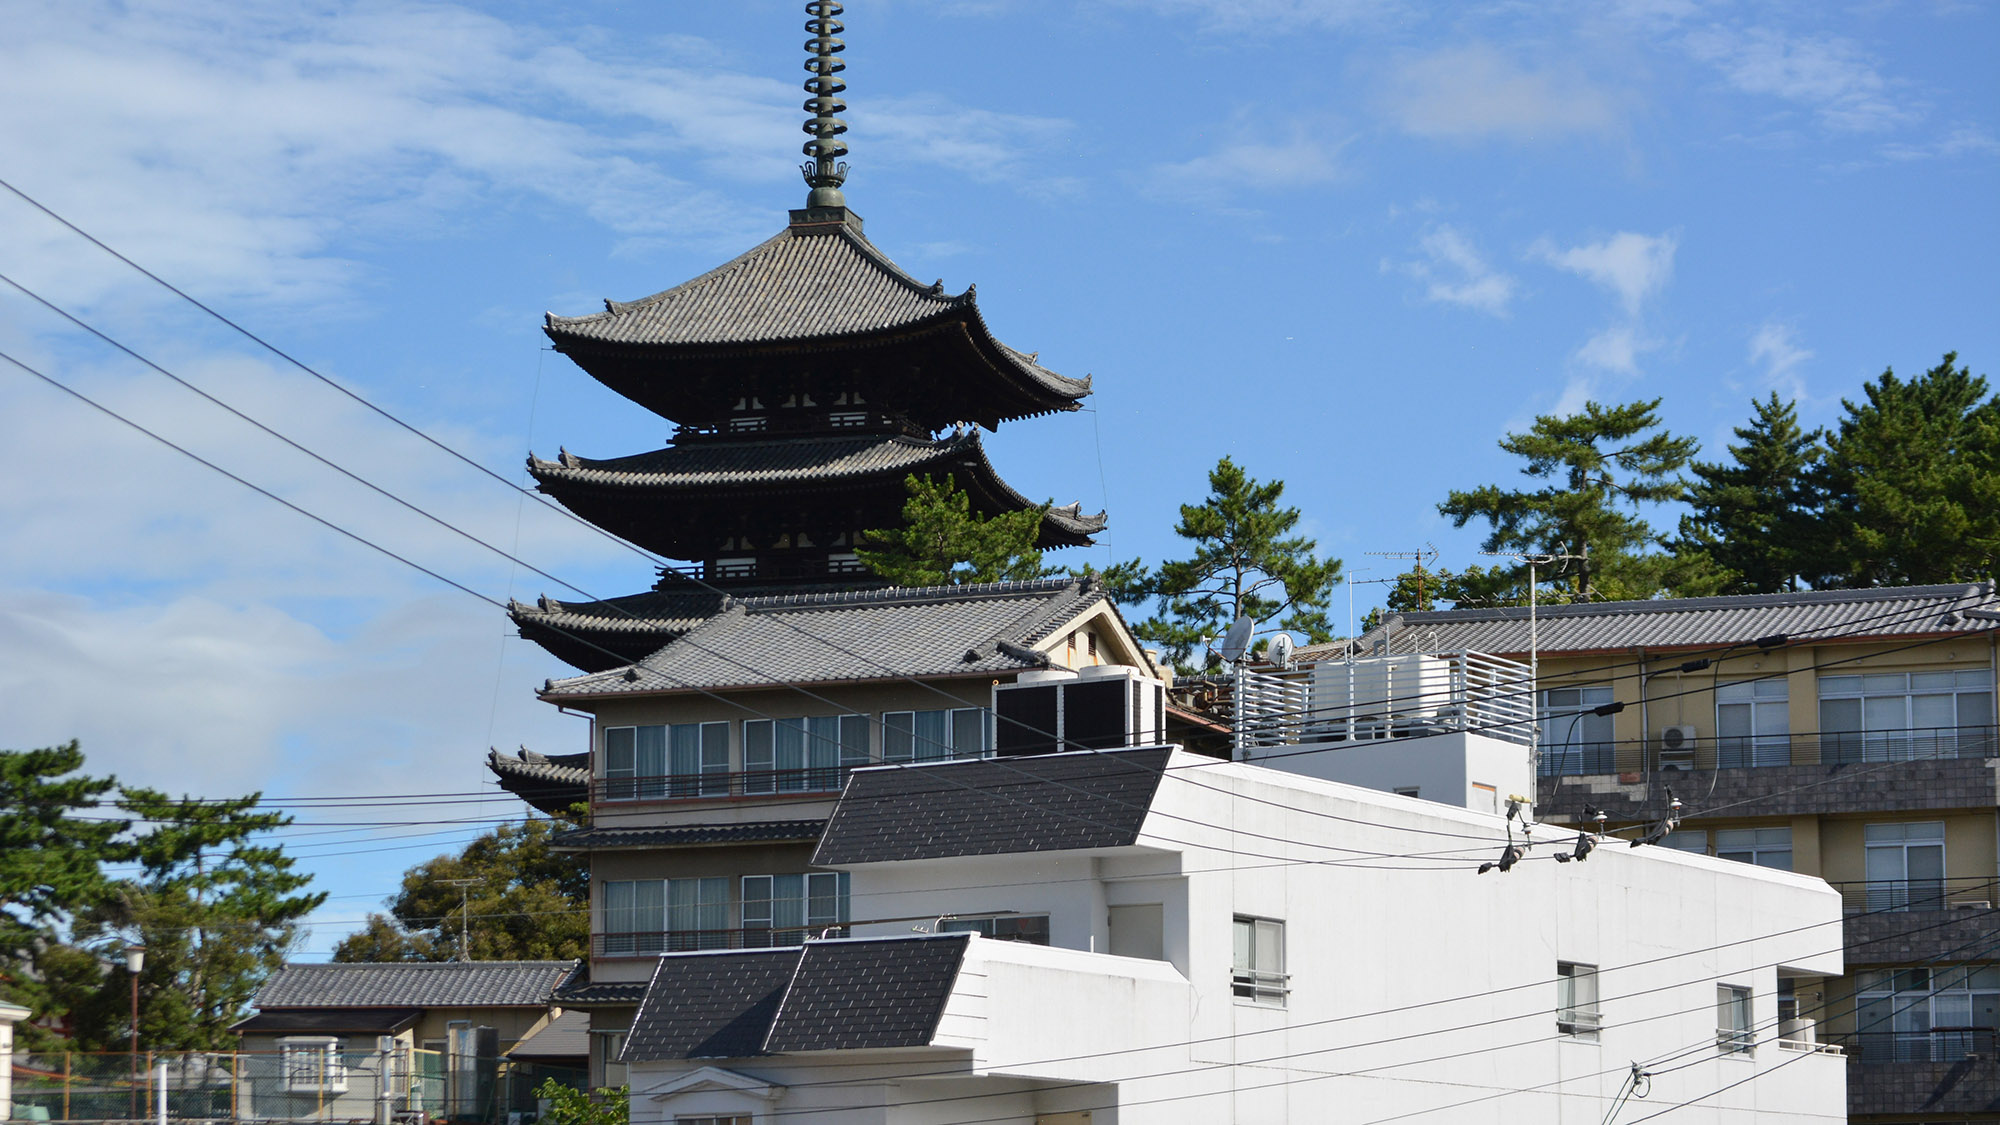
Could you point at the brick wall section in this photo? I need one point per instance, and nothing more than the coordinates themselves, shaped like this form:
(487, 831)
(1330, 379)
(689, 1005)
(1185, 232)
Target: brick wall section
(1889, 787)
(1966, 1086)
(1909, 937)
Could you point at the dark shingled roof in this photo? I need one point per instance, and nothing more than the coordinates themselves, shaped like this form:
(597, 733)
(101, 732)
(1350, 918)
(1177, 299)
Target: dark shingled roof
(854, 636)
(1808, 616)
(458, 984)
(578, 991)
(800, 285)
(378, 1021)
(549, 783)
(993, 806)
(760, 832)
(849, 994)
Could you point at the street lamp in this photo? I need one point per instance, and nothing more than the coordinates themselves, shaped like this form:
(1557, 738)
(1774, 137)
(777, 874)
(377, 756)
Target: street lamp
(135, 961)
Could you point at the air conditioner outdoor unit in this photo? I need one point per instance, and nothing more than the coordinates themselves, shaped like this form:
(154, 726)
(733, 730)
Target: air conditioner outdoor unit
(1677, 739)
(1972, 904)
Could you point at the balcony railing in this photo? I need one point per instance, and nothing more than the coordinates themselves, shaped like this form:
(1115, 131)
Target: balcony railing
(1939, 1044)
(1754, 751)
(1968, 893)
(1584, 1023)
(688, 941)
(740, 783)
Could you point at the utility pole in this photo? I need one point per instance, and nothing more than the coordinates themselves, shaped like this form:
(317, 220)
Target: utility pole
(464, 914)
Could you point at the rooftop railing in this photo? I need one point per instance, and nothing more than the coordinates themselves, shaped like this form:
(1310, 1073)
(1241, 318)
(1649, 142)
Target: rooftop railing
(1968, 893)
(1760, 751)
(1380, 698)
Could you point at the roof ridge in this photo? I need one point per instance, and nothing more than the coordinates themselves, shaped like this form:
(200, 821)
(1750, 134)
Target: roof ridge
(1695, 605)
(896, 595)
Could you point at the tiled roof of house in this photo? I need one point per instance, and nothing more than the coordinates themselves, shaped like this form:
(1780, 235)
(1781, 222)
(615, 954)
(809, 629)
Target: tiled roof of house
(577, 990)
(854, 636)
(848, 994)
(1804, 617)
(551, 783)
(993, 806)
(456, 984)
(653, 611)
(758, 832)
(376, 1021)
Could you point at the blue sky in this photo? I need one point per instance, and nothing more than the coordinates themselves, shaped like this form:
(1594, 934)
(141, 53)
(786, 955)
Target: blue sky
(1350, 244)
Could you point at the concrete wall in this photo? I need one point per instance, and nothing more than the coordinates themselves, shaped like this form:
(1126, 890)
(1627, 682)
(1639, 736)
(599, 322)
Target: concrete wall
(1470, 771)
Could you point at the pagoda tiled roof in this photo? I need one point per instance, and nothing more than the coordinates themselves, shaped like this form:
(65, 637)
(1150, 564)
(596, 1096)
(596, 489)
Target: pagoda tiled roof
(818, 286)
(713, 469)
(552, 783)
(613, 632)
(854, 636)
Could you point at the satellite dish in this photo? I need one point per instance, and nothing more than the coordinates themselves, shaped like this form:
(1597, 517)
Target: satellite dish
(1238, 640)
(1279, 650)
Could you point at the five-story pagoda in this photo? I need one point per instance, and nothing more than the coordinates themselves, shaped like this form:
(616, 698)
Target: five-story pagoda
(807, 379)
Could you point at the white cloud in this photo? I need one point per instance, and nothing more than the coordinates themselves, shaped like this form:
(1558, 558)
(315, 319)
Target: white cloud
(1455, 273)
(1633, 266)
(1271, 17)
(1966, 140)
(1475, 92)
(1774, 347)
(1616, 349)
(1307, 157)
(1833, 78)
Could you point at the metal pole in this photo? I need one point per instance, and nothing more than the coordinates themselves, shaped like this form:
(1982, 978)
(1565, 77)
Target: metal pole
(162, 1119)
(132, 1100)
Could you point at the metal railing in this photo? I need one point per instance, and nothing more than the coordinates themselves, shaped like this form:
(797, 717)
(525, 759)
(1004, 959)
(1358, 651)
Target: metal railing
(1938, 1044)
(1260, 986)
(1385, 698)
(654, 943)
(1972, 894)
(344, 1083)
(736, 783)
(1584, 1023)
(1761, 751)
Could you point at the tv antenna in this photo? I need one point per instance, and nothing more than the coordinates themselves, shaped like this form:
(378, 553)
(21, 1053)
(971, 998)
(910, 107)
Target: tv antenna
(1419, 559)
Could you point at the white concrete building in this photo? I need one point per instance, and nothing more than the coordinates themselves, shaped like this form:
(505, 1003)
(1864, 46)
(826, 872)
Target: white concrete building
(1227, 942)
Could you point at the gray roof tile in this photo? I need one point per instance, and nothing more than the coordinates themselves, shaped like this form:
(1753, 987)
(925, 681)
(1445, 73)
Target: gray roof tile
(458, 984)
(853, 636)
(324, 1020)
(760, 832)
(848, 994)
(993, 806)
(1806, 616)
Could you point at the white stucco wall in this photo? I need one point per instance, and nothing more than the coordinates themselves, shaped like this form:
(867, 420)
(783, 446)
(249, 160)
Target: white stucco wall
(1416, 984)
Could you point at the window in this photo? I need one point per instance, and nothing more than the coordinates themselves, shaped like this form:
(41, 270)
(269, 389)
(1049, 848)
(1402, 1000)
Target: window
(1409, 791)
(1905, 865)
(1030, 928)
(1753, 724)
(1894, 716)
(788, 909)
(1927, 1015)
(606, 1049)
(1257, 970)
(801, 755)
(713, 1119)
(1732, 1019)
(1576, 1000)
(933, 736)
(682, 760)
(1765, 847)
(1693, 840)
(1571, 744)
(314, 1063)
(658, 915)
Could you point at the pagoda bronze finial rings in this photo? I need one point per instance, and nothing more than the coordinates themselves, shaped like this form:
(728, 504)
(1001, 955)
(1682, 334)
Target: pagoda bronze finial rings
(823, 9)
(825, 45)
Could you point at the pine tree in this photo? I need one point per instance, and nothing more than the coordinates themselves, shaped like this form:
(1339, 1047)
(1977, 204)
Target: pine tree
(1596, 461)
(1912, 482)
(942, 542)
(1246, 563)
(531, 903)
(1757, 517)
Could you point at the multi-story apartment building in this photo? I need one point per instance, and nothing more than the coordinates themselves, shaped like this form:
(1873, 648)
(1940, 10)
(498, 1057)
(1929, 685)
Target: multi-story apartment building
(1847, 734)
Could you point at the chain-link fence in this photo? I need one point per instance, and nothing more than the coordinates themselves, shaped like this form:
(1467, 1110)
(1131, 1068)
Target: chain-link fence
(305, 1082)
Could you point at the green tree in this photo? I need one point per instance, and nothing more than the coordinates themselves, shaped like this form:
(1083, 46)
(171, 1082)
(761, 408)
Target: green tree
(1596, 463)
(571, 1106)
(529, 903)
(1757, 516)
(943, 542)
(1247, 562)
(1912, 482)
(216, 909)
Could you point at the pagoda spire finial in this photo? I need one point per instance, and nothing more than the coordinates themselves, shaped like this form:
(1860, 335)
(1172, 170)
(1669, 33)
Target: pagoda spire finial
(825, 172)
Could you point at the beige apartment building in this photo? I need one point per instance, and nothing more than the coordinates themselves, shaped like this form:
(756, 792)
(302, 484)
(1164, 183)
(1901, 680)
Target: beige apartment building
(1847, 734)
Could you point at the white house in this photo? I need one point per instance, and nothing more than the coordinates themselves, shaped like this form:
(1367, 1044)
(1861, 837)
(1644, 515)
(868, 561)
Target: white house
(1196, 940)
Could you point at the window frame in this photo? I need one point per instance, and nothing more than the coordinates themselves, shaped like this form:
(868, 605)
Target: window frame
(1578, 1015)
(702, 900)
(1904, 891)
(990, 926)
(1250, 982)
(823, 749)
(1897, 737)
(313, 1064)
(822, 900)
(1558, 751)
(1761, 844)
(707, 750)
(1735, 1019)
(902, 742)
(1766, 708)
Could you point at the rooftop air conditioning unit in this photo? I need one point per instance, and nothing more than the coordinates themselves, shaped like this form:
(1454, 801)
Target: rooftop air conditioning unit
(1677, 749)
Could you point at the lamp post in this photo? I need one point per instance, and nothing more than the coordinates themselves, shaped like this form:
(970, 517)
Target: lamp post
(135, 961)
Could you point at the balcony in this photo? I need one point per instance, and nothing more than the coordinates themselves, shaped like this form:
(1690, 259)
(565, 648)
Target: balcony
(717, 784)
(688, 941)
(1940, 1073)
(1908, 921)
(1912, 771)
